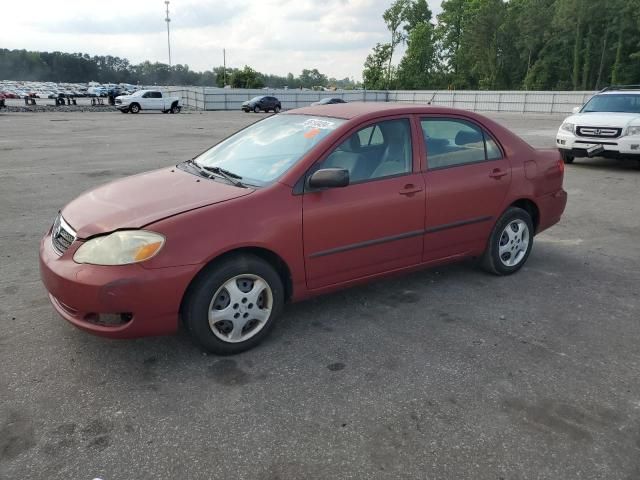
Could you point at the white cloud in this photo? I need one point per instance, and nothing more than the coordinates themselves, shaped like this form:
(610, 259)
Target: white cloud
(272, 36)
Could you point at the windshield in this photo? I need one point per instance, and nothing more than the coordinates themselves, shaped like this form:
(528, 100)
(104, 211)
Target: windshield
(255, 99)
(628, 103)
(265, 150)
(139, 93)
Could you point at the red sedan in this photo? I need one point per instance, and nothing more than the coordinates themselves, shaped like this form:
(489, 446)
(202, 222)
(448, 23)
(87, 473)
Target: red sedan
(298, 204)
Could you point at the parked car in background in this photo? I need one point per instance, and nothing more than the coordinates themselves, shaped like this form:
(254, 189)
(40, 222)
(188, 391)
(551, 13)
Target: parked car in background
(148, 100)
(329, 101)
(265, 103)
(608, 125)
(299, 204)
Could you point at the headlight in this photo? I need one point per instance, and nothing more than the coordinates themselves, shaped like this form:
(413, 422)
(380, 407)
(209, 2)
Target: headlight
(567, 127)
(120, 248)
(633, 131)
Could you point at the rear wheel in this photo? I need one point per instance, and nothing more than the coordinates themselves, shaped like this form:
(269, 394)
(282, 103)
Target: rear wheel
(566, 158)
(510, 243)
(232, 306)
(277, 109)
(175, 108)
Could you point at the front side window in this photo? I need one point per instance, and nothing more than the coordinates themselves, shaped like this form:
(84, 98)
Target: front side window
(156, 95)
(452, 142)
(265, 150)
(374, 152)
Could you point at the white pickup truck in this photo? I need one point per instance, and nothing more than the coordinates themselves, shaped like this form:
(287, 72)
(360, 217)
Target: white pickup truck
(148, 100)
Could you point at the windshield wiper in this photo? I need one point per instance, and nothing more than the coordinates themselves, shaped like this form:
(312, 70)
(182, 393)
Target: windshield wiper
(231, 177)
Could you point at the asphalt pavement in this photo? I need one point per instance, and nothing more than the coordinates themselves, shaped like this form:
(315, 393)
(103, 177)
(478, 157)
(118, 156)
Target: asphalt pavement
(443, 374)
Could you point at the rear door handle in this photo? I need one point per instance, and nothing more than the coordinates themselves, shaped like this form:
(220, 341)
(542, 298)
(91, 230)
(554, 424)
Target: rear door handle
(410, 189)
(497, 173)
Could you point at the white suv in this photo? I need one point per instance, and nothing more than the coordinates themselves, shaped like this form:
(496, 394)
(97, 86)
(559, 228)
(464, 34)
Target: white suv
(608, 125)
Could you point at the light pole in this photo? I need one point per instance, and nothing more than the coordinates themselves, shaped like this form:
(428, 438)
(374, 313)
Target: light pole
(167, 19)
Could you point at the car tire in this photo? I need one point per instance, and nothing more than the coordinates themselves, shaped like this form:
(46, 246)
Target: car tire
(277, 109)
(175, 109)
(510, 243)
(256, 109)
(134, 108)
(218, 307)
(566, 158)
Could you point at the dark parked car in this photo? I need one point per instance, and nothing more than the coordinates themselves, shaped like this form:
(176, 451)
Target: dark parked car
(329, 101)
(299, 204)
(264, 103)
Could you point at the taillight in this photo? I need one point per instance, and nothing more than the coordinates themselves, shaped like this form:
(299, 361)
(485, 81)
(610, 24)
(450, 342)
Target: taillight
(561, 165)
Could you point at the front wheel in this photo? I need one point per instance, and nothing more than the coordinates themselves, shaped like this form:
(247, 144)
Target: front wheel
(256, 109)
(510, 243)
(232, 305)
(134, 108)
(566, 158)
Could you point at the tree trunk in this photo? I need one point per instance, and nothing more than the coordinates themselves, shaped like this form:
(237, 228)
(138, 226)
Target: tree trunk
(576, 48)
(604, 50)
(586, 67)
(615, 70)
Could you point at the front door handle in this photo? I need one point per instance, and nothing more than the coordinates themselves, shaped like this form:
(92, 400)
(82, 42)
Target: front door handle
(498, 173)
(410, 189)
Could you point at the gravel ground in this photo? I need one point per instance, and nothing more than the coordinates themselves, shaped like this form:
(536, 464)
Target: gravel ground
(442, 374)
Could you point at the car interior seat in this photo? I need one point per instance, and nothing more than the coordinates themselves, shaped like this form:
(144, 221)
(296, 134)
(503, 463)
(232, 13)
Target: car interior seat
(347, 156)
(396, 157)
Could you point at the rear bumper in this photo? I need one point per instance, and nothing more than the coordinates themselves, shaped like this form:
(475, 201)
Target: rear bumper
(79, 293)
(551, 207)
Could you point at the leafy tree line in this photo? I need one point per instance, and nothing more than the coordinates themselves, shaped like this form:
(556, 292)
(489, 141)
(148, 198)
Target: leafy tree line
(508, 44)
(78, 67)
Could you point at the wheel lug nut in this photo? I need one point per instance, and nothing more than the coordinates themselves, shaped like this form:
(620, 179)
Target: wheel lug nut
(235, 306)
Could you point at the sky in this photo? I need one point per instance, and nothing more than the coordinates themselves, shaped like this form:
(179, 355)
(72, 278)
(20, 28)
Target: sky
(272, 36)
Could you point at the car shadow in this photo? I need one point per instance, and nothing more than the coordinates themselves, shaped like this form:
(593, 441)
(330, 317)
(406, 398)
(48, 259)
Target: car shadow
(601, 163)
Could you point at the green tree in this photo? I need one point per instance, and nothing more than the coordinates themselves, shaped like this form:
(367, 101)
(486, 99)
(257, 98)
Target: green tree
(417, 67)
(393, 17)
(246, 78)
(373, 75)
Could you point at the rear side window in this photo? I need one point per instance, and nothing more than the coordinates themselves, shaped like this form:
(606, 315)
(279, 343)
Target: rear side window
(156, 95)
(452, 142)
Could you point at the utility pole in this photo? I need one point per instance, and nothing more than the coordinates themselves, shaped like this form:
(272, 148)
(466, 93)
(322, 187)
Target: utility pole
(167, 19)
(224, 68)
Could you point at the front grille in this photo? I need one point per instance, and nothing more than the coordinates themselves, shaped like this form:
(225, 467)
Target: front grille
(599, 132)
(62, 235)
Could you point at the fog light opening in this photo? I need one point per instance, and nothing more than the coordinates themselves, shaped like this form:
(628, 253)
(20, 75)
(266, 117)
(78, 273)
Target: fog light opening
(109, 319)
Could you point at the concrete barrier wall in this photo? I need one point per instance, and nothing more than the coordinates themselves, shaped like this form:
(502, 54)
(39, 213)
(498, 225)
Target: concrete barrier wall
(205, 98)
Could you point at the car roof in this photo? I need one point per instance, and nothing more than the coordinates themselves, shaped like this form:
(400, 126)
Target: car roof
(621, 91)
(353, 110)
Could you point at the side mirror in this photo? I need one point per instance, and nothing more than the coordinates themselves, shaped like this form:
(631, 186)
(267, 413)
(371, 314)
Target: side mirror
(575, 109)
(329, 178)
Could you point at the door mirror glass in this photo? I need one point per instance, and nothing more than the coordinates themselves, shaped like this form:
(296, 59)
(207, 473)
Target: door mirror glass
(575, 109)
(329, 178)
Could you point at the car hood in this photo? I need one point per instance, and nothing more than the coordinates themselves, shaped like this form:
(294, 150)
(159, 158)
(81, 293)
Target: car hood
(136, 201)
(600, 119)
